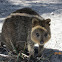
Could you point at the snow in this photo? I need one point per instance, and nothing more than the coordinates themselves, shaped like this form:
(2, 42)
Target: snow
(56, 31)
(46, 8)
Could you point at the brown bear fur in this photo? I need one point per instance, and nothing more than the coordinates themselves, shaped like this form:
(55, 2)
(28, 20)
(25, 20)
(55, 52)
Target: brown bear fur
(20, 31)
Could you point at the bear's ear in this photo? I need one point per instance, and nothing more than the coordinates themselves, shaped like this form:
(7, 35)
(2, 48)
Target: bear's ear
(35, 22)
(48, 21)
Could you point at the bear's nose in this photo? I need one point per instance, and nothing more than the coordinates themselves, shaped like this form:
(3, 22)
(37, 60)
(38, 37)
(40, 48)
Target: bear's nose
(41, 42)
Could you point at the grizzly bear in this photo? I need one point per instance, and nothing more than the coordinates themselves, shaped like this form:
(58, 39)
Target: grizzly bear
(24, 28)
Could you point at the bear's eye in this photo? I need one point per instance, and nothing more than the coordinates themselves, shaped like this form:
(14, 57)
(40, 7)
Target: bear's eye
(37, 34)
(45, 34)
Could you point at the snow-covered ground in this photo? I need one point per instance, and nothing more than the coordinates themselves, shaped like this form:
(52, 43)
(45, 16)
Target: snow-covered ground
(46, 8)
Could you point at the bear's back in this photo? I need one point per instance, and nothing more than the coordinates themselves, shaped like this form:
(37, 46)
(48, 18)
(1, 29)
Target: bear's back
(27, 11)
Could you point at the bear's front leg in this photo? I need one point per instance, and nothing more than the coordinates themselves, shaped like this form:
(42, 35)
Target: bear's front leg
(31, 50)
(40, 50)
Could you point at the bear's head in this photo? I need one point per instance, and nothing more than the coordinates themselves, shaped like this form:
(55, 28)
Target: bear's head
(40, 31)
